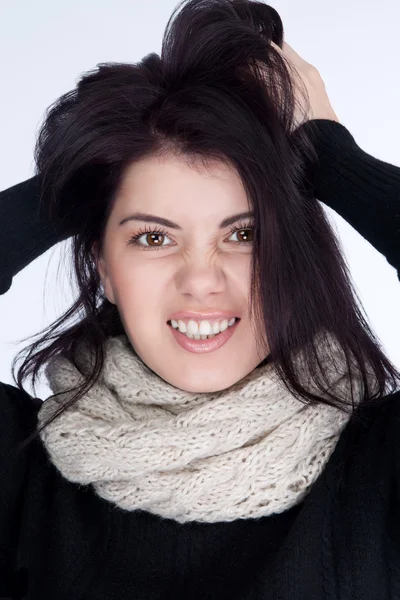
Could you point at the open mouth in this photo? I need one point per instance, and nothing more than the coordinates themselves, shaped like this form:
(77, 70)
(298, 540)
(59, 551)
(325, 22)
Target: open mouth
(202, 336)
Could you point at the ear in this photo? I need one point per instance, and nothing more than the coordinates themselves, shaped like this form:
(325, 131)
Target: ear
(103, 274)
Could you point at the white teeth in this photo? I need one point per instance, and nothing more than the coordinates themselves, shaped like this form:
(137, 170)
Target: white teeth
(202, 330)
(214, 328)
(193, 328)
(181, 325)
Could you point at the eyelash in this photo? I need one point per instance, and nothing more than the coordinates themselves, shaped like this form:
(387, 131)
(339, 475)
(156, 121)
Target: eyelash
(134, 239)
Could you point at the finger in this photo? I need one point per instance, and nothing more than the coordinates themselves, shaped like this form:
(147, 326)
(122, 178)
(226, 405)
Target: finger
(276, 46)
(294, 56)
(287, 53)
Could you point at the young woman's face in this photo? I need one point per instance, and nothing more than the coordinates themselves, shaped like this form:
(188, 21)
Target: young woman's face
(196, 267)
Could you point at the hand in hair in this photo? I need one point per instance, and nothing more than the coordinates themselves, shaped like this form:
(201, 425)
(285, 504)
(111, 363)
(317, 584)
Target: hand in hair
(306, 75)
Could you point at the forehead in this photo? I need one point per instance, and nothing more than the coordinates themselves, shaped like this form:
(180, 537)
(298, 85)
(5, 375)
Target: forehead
(171, 178)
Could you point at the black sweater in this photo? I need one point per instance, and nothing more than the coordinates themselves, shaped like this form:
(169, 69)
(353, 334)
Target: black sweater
(59, 540)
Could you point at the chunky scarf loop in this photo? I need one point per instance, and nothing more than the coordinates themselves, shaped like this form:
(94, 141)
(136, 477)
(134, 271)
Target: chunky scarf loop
(244, 452)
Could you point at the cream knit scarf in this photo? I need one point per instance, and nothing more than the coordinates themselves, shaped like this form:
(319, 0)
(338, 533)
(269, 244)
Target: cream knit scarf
(245, 452)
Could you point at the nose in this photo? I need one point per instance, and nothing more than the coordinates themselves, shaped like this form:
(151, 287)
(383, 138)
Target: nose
(199, 279)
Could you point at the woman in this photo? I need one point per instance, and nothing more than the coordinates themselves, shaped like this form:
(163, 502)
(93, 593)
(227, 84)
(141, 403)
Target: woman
(236, 433)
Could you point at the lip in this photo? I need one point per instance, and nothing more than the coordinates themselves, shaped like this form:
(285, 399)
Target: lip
(203, 346)
(204, 316)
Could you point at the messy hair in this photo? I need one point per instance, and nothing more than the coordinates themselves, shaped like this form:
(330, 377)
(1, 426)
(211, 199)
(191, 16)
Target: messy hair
(218, 91)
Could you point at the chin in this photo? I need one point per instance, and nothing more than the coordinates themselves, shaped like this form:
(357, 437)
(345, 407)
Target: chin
(204, 384)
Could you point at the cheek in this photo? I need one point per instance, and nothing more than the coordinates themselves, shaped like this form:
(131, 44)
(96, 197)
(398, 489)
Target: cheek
(240, 273)
(140, 290)
(144, 288)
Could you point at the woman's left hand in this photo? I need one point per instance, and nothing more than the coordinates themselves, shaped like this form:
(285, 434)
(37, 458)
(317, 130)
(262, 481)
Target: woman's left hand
(308, 75)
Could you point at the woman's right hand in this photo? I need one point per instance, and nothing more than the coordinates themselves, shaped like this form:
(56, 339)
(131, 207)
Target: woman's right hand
(306, 74)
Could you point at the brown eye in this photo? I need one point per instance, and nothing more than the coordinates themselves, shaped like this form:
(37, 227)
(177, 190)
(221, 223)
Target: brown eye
(245, 235)
(151, 239)
(154, 239)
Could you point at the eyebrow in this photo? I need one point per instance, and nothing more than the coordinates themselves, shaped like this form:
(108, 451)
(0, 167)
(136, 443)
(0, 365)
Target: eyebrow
(167, 223)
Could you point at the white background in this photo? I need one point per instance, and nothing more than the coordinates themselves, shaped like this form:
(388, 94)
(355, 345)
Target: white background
(47, 44)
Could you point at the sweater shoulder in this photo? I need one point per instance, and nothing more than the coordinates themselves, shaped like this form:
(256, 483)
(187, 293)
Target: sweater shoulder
(18, 412)
(18, 420)
(18, 417)
(393, 416)
(381, 433)
(385, 415)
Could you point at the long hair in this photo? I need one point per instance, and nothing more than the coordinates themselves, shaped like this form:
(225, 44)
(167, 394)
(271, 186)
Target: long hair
(218, 90)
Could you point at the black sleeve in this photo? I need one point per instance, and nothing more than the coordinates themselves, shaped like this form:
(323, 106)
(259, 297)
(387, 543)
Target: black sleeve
(26, 232)
(364, 190)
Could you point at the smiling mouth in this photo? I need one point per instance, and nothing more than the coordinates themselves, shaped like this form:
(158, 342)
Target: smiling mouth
(201, 336)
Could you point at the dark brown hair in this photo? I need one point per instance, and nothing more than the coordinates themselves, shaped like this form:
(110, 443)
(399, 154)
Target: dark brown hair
(219, 90)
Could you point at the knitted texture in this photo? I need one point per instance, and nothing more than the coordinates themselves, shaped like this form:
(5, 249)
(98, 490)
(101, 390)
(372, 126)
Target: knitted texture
(244, 452)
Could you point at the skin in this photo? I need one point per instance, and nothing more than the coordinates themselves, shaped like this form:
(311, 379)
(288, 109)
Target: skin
(201, 267)
(198, 268)
(306, 77)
